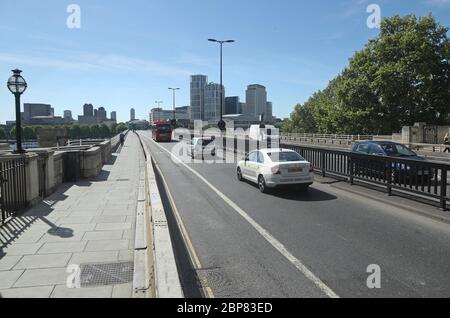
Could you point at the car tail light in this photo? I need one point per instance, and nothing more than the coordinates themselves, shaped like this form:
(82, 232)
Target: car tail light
(311, 168)
(276, 170)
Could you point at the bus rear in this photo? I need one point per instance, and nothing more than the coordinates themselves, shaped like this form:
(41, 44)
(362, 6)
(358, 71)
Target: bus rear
(162, 132)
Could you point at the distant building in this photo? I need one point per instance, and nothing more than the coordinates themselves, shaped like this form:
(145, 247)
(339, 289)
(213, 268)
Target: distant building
(132, 114)
(159, 114)
(88, 110)
(114, 116)
(68, 115)
(232, 105)
(256, 100)
(46, 120)
(212, 102)
(138, 124)
(35, 110)
(182, 113)
(102, 116)
(198, 84)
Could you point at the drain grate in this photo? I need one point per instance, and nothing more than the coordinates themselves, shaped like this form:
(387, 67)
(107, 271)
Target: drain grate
(122, 180)
(106, 274)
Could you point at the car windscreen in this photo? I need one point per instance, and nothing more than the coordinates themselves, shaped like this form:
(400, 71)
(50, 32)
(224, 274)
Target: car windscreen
(206, 142)
(285, 156)
(397, 150)
(163, 128)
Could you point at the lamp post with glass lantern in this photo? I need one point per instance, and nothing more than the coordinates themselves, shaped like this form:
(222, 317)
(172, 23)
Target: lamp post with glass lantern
(17, 85)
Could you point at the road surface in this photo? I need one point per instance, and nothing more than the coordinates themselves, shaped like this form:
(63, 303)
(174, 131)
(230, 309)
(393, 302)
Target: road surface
(292, 244)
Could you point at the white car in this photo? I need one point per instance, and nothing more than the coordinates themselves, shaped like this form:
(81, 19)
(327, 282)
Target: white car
(270, 168)
(202, 146)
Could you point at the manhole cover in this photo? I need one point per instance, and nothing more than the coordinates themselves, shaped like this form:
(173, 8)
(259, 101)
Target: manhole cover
(106, 274)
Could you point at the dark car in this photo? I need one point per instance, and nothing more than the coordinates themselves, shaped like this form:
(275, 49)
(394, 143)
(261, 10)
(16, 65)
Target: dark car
(400, 170)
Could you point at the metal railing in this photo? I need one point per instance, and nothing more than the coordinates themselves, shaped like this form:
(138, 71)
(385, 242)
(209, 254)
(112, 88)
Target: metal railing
(292, 136)
(417, 177)
(423, 178)
(13, 187)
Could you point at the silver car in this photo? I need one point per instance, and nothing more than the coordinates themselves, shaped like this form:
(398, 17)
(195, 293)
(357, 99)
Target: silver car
(202, 146)
(270, 168)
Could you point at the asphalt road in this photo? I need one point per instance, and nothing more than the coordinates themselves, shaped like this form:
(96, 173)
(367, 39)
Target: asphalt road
(329, 236)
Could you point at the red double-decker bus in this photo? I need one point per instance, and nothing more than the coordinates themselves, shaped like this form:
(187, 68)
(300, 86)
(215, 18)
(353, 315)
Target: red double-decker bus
(162, 131)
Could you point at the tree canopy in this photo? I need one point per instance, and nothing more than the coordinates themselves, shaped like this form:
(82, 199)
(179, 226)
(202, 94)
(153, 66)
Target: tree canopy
(399, 78)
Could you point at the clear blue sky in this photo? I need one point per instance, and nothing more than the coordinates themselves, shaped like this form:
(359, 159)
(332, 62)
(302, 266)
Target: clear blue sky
(127, 53)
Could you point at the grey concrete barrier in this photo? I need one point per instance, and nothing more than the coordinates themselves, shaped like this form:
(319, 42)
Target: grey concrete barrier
(167, 279)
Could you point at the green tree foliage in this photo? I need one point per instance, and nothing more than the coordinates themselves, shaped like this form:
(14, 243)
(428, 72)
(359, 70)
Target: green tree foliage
(121, 127)
(85, 131)
(400, 77)
(2, 133)
(28, 133)
(104, 131)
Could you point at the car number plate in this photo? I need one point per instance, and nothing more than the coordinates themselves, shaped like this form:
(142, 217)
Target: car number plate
(295, 170)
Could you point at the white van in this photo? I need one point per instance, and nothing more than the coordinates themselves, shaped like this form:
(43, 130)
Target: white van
(262, 132)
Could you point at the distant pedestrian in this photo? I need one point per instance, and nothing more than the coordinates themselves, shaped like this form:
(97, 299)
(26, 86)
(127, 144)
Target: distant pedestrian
(447, 142)
(122, 139)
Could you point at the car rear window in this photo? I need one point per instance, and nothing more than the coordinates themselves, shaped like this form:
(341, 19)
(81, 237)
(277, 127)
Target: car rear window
(206, 142)
(285, 156)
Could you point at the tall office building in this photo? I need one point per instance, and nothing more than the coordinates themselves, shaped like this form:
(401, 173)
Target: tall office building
(198, 84)
(232, 105)
(114, 116)
(68, 115)
(212, 102)
(101, 115)
(132, 114)
(88, 110)
(256, 101)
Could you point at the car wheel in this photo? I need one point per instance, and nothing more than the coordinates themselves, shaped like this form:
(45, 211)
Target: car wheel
(262, 184)
(239, 174)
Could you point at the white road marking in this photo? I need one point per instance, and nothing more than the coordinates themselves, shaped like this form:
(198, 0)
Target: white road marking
(263, 232)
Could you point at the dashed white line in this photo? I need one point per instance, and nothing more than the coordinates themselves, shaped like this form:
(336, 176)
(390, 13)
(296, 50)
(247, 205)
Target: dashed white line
(263, 232)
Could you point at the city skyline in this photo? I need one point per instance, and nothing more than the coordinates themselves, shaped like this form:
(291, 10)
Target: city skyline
(302, 49)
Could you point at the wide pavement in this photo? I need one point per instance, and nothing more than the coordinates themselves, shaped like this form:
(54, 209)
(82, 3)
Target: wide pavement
(86, 223)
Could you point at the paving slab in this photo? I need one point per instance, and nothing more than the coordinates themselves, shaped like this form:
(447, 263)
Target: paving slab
(94, 257)
(27, 292)
(43, 261)
(92, 292)
(8, 278)
(52, 248)
(8, 262)
(107, 245)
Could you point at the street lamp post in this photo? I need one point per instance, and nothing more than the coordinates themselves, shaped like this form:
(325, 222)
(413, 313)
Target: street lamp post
(17, 85)
(174, 107)
(221, 122)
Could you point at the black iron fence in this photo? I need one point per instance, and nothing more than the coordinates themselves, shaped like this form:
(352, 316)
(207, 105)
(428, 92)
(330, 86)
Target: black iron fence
(423, 178)
(13, 187)
(419, 177)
